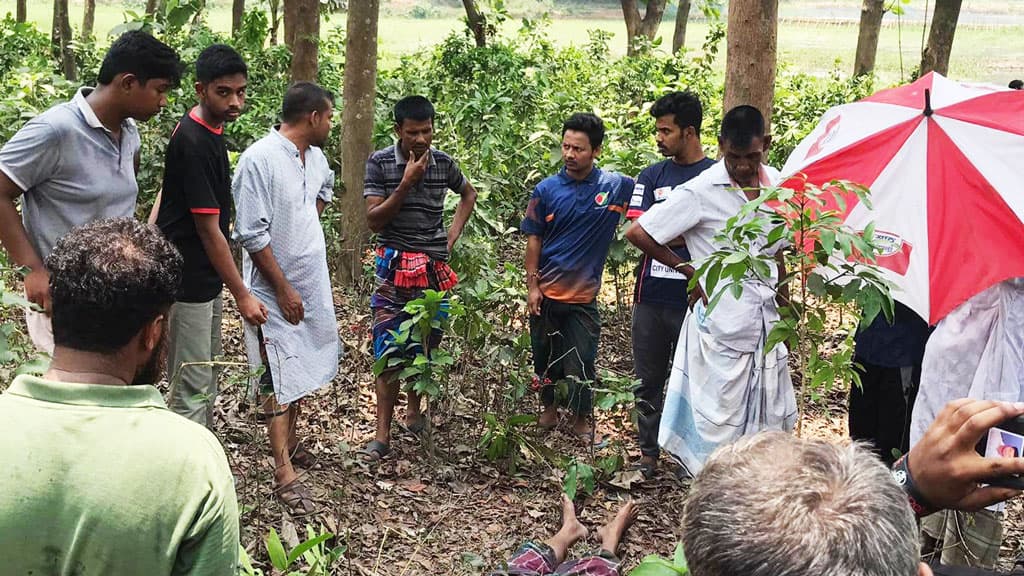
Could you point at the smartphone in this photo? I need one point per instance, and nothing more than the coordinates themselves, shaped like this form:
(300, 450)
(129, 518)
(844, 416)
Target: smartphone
(1004, 441)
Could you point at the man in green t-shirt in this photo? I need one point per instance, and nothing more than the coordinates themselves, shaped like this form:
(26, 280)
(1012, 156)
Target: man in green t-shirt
(100, 477)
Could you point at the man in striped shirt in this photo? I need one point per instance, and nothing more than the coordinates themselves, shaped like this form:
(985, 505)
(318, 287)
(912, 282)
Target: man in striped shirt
(405, 188)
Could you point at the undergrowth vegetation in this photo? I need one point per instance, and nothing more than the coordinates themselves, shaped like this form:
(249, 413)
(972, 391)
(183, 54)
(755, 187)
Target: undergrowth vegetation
(500, 110)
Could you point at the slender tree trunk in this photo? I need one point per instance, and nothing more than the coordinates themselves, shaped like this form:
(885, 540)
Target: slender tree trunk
(476, 22)
(751, 45)
(237, 14)
(305, 30)
(275, 20)
(60, 37)
(291, 14)
(641, 26)
(21, 11)
(682, 17)
(867, 41)
(357, 134)
(88, 19)
(151, 7)
(935, 56)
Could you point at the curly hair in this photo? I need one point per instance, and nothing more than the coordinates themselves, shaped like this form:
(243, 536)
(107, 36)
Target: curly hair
(108, 280)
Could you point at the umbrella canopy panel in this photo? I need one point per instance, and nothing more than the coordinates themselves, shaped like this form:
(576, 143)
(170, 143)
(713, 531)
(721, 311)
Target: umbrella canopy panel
(944, 164)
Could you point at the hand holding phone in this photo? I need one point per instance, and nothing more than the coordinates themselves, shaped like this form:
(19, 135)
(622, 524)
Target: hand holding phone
(946, 467)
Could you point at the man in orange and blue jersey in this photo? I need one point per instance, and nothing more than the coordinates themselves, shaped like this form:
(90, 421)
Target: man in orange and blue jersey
(570, 221)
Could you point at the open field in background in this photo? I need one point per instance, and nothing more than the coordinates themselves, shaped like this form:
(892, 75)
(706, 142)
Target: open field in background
(812, 36)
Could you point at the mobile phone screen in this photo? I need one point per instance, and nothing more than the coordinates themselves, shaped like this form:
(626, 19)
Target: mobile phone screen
(1003, 444)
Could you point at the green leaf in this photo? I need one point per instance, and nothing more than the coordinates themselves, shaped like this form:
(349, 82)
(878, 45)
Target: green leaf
(569, 483)
(828, 241)
(37, 365)
(679, 558)
(816, 284)
(278, 557)
(520, 419)
(308, 544)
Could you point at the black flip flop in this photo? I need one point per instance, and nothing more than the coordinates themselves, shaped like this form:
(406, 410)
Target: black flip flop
(375, 451)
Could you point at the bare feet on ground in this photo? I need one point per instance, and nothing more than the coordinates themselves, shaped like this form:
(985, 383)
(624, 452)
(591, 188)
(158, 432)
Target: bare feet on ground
(611, 533)
(571, 527)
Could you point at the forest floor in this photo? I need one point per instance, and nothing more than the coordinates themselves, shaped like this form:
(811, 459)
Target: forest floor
(456, 512)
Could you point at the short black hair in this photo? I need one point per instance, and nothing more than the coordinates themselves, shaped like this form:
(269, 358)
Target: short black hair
(108, 279)
(218, 61)
(741, 125)
(304, 98)
(589, 124)
(1017, 84)
(414, 107)
(685, 107)
(136, 52)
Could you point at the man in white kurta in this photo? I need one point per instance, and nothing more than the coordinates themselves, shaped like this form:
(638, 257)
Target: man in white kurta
(281, 186)
(724, 384)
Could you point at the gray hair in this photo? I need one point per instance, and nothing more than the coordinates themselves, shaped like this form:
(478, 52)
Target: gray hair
(776, 505)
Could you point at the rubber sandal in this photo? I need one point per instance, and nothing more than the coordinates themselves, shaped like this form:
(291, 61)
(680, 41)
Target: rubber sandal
(416, 428)
(375, 451)
(589, 439)
(302, 458)
(647, 469)
(296, 497)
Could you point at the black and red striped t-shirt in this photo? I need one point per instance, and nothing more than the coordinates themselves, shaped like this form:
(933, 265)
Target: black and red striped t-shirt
(197, 180)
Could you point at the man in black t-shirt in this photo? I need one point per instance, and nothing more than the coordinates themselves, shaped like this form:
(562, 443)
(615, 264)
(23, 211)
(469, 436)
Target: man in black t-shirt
(194, 212)
(659, 300)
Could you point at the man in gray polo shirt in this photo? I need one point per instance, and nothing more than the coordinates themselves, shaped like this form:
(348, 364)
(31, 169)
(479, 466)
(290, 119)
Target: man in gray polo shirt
(76, 162)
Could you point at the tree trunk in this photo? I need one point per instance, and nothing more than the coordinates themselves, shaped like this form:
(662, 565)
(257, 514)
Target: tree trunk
(275, 20)
(867, 41)
(60, 37)
(22, 11)
(682, 17)
(751, 44)
(935, 56)
(357, 134)
(305, 31)
(291, 13)
(237, 14)
(476, 22)
(637, 26)
(88, 19)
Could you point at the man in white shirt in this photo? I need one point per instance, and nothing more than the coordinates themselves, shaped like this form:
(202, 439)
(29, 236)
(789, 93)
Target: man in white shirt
(724, 384)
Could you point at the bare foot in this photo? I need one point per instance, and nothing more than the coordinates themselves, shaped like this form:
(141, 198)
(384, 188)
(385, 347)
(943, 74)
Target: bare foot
(611, 533)
(571, 526)
(570, 533)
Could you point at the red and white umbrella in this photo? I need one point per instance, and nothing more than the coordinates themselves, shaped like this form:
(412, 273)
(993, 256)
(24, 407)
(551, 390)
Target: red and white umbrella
(945, 165)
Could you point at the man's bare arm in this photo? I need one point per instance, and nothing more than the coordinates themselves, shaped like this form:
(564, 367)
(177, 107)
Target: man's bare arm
(288, 299)
(154, 212)
(380, 211)
(462, 212)
(14, 238)
(320, 207)
(219, 252)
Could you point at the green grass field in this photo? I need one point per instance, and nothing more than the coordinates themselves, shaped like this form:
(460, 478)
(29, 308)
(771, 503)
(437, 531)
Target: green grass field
(979, 53)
